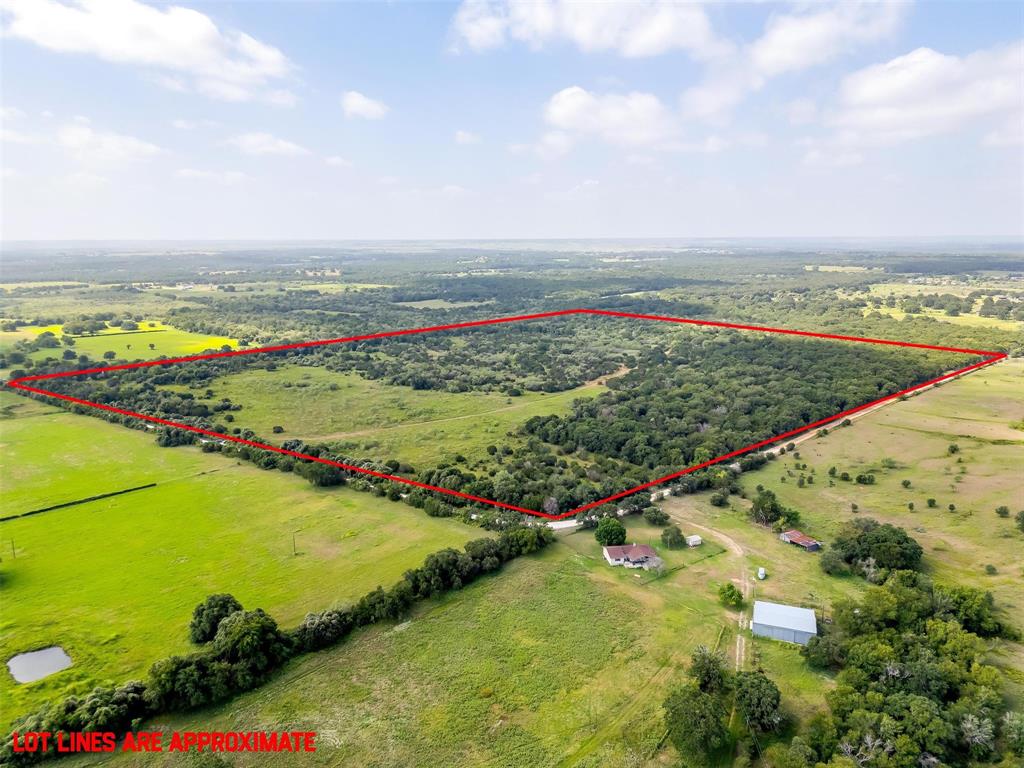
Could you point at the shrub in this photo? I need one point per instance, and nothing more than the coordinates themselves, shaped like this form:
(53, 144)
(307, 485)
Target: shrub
(730, 595)
(656, 516)
(832, 563)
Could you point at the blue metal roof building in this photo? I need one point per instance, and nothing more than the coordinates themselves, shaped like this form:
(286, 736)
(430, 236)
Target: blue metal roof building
(784, 622)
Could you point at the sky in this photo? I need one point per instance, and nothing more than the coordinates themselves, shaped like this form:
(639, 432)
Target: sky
(508, 119)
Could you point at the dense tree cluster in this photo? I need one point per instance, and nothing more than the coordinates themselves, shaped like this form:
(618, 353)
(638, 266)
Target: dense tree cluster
(873, 549)
(701, 396)
(912, 687)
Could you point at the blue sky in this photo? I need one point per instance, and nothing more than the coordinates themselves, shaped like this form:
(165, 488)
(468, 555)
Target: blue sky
(504, 119)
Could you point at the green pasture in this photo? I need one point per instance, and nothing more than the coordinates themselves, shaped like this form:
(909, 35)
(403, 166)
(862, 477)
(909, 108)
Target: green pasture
(114, 581)
(962, 319)
(558, 659)
(371, 418)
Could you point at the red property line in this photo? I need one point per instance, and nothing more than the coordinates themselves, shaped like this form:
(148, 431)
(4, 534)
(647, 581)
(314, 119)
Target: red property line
(21, 383)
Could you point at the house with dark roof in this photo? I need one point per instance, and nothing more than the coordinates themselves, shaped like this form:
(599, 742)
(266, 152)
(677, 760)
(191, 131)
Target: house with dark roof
(632, 556)
(800, 540)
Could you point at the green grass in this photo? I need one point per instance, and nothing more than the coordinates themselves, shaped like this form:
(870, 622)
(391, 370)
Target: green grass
(971, 319)
(114, 581)
(371, 418)
(557, 660)
(134, 345)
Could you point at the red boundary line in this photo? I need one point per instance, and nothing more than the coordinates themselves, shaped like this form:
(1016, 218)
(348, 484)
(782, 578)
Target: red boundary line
(990, 357)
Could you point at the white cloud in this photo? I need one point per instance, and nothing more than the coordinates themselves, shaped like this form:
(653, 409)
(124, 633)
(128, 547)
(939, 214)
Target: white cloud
(453, 190)
(11, 113)
(94, 147)
(219, 177)
(925, 93)
(631, 28)
(258, 143)
(337, 161)
(791, 42)
(181, 45)
(466, 137)
(633, 119)
(356, 104)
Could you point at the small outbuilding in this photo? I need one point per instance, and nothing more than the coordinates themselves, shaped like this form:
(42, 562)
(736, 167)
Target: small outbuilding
(788, 623)
(694, 541)
(800, 540)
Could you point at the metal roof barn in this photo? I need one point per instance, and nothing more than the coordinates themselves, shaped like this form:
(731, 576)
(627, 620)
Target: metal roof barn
(784, 622)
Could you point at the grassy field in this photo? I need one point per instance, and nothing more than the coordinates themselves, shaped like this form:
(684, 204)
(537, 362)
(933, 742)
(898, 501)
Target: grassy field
(972, 319)
(114, 581)
(130, 345)
(136, 345)
(557, 660)
(975, 413)
(370, 418)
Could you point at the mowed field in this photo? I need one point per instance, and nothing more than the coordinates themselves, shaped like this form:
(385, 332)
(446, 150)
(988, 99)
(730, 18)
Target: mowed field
(374, 419)
(114, 581)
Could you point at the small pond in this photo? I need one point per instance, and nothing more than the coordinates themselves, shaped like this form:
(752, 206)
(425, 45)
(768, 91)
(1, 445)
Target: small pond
(35, 665)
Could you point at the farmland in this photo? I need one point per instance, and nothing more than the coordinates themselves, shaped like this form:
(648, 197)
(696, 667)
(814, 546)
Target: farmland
(557, 659)
(564, 661)
(560, 659)
(152, 340)
(141, 561)
(370, 418)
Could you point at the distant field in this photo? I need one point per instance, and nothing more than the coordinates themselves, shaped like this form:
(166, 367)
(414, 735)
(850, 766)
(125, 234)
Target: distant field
(370, 418)
(114, 581)
(962, 319)
(127, 345)
(441, 304)
(955, 288)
